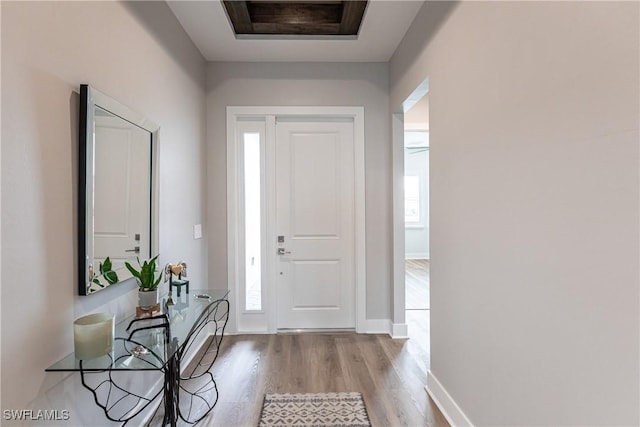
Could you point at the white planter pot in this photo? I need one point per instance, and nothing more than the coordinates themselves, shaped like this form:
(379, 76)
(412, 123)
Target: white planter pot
(147, 299)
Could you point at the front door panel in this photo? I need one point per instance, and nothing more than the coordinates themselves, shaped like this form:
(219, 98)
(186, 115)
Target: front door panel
(315, 214)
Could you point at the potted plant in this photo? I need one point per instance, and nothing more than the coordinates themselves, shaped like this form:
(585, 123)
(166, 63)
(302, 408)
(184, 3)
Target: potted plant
(147, 281)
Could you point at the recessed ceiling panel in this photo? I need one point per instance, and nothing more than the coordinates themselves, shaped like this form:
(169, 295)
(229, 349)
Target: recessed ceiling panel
(208, 25)
(295, 19)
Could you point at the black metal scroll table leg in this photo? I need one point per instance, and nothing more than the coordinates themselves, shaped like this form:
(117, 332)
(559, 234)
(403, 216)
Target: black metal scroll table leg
(171, 390)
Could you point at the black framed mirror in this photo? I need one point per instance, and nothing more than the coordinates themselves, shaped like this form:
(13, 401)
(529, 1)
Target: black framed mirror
(117, 192)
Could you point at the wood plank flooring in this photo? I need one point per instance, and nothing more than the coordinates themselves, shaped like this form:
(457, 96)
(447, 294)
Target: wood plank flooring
(417, 284)
(384, 370)
(391, 374)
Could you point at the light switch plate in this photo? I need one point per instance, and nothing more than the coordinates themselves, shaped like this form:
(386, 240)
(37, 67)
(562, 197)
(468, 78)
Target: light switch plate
(197, 231)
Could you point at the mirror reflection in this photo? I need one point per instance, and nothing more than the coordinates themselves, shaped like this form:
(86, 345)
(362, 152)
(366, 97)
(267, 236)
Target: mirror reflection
(118, 190)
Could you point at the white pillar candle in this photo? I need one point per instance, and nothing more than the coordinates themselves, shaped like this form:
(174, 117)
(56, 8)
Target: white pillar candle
(93, 335)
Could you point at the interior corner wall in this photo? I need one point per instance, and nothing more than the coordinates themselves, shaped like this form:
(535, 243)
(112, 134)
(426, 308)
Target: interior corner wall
(308, 84)
(534, 206)
(139, 55)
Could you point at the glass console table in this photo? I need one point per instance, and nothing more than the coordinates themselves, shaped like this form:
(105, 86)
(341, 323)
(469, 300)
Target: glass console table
(159, 345)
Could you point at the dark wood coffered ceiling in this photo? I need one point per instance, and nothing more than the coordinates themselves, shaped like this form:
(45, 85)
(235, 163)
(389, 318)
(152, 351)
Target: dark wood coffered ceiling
(295, 18)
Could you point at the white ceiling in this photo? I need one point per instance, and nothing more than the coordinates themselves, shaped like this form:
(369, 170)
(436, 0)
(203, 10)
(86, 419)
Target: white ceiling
(385, 24)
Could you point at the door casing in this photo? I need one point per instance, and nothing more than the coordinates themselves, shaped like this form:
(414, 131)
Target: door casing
(265, 321)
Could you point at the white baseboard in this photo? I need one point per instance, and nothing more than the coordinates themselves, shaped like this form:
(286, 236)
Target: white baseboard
(378, 326)
(386, 326)
(372, 326)
(417, 255)
(399, 330)
(445, 403)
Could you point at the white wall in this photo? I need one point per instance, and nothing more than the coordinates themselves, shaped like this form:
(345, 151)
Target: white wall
(137, 54)
(417, 235)
(534, 206)
(417, 117)
(307, 84)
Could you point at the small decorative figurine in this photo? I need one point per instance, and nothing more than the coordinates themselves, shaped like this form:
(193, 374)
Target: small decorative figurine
(179, 270)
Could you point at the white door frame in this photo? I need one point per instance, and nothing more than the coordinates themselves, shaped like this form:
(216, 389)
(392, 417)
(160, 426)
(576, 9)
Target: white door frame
(265, 321)
(399, 327)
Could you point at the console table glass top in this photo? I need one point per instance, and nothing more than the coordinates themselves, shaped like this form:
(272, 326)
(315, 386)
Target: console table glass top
(156, 352)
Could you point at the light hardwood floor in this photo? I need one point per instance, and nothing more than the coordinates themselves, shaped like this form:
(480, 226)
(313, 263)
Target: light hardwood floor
(391, 374)
(384, 370)
(417, 284)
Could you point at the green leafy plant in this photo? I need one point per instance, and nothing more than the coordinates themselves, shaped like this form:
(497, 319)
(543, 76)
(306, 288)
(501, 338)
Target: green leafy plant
(146, 274)
(106, 271)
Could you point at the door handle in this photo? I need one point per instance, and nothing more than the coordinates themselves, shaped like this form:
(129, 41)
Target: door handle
(282, 251)
(135, 249)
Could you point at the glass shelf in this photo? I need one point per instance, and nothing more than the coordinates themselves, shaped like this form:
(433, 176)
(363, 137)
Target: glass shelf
(143, 346)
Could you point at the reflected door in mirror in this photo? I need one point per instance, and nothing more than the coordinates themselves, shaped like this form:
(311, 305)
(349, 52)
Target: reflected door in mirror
(122, 190)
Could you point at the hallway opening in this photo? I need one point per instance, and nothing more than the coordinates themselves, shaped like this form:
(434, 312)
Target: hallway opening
(416, 223)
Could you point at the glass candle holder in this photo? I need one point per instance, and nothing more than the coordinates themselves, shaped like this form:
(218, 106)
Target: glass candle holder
(93, 335)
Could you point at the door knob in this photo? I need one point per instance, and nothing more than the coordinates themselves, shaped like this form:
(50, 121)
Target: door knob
(282, 251)
(135, 249)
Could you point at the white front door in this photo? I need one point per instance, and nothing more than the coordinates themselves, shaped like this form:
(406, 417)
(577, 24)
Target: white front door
(315, 211)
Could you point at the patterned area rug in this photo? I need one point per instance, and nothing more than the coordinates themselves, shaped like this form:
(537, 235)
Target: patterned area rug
(314, 409)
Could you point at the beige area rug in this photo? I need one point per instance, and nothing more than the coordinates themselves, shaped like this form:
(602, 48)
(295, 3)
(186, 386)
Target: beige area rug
(314, 409)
